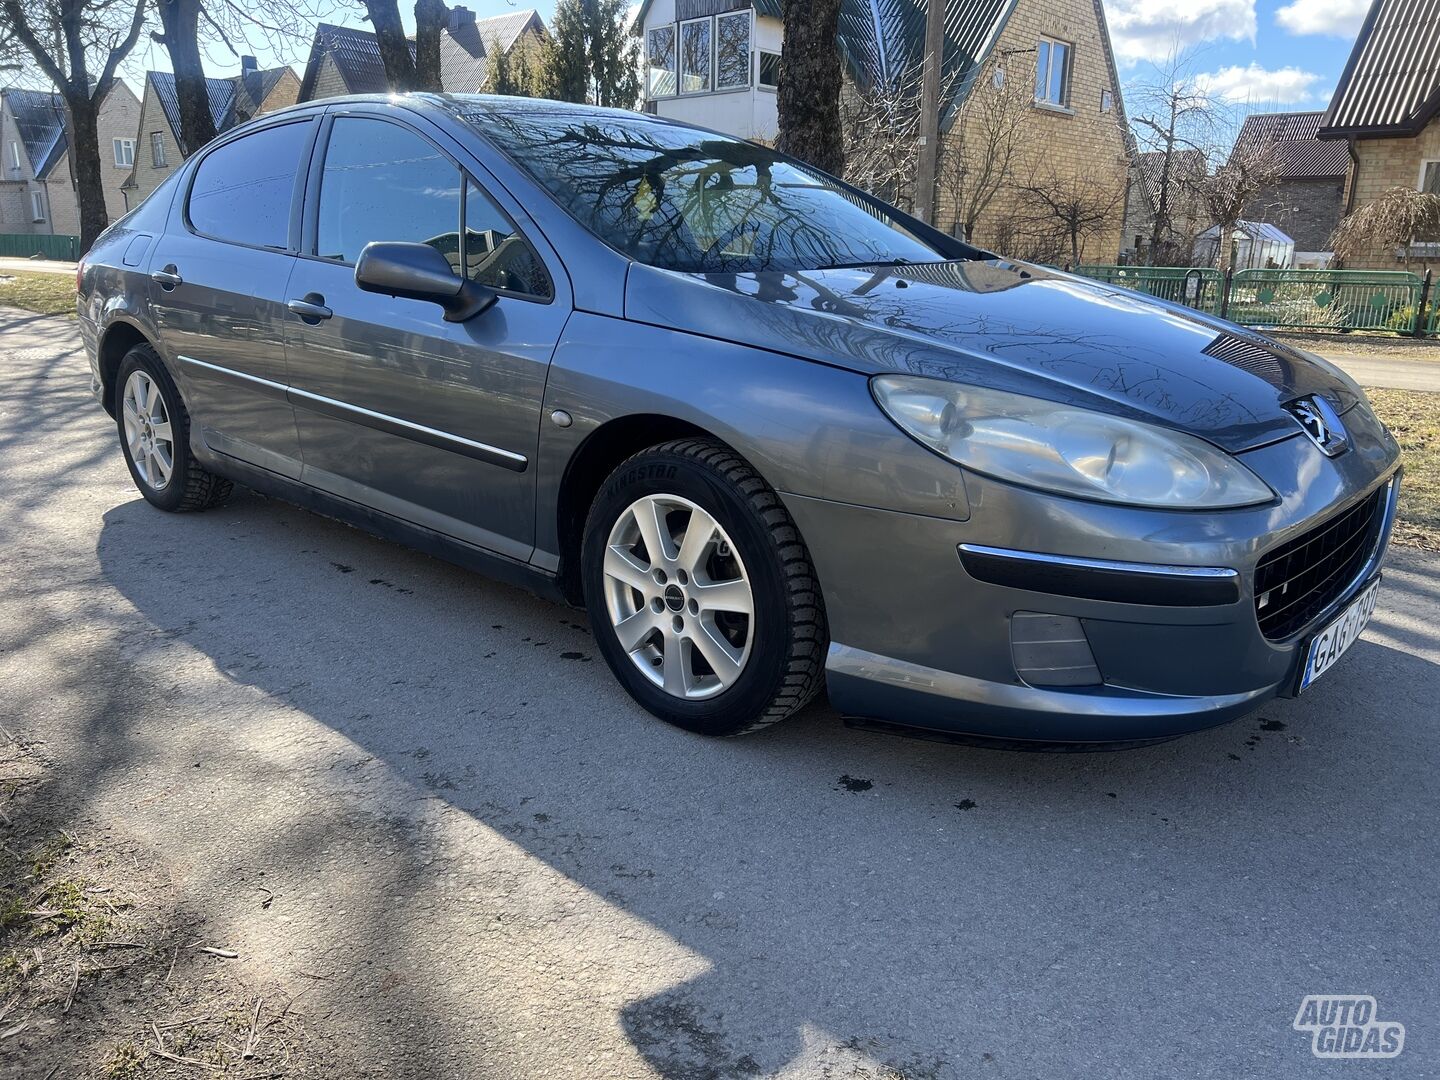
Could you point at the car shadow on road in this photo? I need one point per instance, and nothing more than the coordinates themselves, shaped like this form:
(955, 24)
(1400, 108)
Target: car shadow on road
(924, 906)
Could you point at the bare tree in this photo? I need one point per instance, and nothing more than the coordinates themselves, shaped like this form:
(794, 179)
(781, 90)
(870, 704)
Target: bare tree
(1395, 221)
(1060, 213)
(808, 97)
(188, 27)
(1253, 166)
(880, 124)
(1174, 118)
(79, 45)
(980, 155)
(409, 67)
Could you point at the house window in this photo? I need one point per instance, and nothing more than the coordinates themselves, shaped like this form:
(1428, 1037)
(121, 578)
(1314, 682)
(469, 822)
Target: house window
(1052, 73)
(695, 50)
(660, 47)
(37, 205)
(157, 150)
(770, 70)
(732, 50)
(124, 152)
(1430, 177)
(14, 154)
(1107, 101)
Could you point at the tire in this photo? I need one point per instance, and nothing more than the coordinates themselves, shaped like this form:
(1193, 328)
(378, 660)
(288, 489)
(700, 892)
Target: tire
(187, 486)
(767, 663)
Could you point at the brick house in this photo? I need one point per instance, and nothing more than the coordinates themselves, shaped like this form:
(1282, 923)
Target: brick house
(232, 101)
(1386, 112)
(1142, 203)
(37, 182)
(344, 60)
(717, 63)
(1307, 199)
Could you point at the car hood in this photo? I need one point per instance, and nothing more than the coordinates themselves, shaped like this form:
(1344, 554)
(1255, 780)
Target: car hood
(1009, 326)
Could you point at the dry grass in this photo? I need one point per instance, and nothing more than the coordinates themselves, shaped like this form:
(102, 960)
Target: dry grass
(1413, 416)
(102, 975)
(48, 294)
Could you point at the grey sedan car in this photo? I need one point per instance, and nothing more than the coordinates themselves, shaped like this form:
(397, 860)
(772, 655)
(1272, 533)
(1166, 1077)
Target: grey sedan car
(775, 435)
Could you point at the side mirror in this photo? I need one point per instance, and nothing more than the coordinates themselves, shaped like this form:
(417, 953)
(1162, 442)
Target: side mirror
(419, 272)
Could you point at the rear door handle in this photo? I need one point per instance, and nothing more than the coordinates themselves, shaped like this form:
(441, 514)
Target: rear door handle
(167, 278)
(311, 307)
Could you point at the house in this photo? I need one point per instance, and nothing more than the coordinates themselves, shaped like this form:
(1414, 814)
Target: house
(1182, 206)
(1386, 111)
(344, 60)
(1307, 198)
(717, 63)
(37, 182)
(233, 100)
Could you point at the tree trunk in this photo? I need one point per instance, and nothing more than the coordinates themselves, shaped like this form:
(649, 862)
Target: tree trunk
(181, 22)
(431, 17)
(85, 151)
(809, 94)
(394, 48)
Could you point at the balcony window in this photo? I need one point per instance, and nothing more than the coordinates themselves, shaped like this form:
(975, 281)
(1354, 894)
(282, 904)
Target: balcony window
(660, 47)
(732, 51)
(695, 56)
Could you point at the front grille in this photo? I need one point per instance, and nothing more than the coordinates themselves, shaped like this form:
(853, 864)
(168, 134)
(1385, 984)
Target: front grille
(1301, 578)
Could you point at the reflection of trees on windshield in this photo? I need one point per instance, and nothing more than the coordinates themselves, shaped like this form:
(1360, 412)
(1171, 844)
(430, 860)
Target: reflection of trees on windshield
(675, 199)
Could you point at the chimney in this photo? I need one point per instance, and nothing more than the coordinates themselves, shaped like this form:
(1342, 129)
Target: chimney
(248, 64)
(460, 16)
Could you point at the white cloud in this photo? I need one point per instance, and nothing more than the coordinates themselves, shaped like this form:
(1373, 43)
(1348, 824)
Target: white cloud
(1259, 86)
(1153, 29)
(1340, 18)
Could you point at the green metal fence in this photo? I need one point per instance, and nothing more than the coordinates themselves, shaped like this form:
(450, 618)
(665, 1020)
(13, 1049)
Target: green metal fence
(1194, 287)
(1326, 299)
(19, 246)
(1292, 299)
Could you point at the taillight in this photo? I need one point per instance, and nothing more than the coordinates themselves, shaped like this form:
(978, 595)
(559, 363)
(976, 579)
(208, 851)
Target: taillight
(79, 274)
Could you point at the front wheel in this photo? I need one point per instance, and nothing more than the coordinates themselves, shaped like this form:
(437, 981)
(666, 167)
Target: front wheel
(701, 591)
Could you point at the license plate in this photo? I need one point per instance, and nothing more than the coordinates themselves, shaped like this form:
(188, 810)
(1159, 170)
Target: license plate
(1330, 644)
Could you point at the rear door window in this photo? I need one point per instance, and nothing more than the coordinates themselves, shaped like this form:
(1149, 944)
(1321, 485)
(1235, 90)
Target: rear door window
(244, 190)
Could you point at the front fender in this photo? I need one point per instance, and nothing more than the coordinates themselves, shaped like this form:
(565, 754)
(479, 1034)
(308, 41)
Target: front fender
(807, 428)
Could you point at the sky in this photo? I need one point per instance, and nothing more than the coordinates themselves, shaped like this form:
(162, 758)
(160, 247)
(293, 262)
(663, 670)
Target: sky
(1258, 55)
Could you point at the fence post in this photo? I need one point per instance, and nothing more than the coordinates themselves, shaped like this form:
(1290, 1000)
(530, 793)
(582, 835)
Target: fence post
(1418, 330)
(1225, 292)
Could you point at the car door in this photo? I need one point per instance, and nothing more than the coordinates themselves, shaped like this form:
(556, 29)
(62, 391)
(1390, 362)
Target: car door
(430, 421)
(217, 292)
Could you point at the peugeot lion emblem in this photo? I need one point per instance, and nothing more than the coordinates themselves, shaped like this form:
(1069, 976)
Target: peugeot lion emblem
(1321, 422)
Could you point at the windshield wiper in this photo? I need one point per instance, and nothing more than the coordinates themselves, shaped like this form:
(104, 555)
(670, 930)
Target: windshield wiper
(866, 263)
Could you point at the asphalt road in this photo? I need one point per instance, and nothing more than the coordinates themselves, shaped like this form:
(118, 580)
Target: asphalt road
(508, 870)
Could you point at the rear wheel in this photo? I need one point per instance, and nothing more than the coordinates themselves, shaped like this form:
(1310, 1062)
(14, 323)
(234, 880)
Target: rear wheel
(701, 591)
(155, 437)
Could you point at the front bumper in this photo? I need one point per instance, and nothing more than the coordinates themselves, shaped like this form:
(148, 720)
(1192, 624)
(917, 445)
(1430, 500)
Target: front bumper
(917, 641)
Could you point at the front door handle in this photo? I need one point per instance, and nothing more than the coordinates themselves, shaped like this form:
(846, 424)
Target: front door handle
(167, 278)
(310, 307)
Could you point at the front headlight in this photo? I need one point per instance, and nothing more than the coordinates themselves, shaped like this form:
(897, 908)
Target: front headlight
(1066, 450)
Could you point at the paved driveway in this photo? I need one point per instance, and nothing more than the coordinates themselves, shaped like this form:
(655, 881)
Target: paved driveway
(507, 870)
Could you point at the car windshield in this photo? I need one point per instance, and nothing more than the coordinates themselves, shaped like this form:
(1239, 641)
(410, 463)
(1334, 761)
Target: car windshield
(687, 200)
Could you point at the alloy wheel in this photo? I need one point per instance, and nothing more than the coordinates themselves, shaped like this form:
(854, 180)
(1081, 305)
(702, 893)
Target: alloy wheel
(148, 435)
(678, 596)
